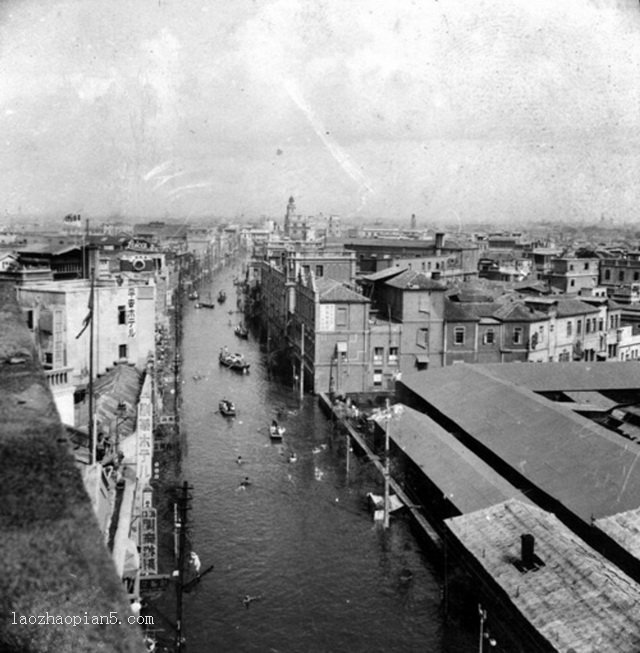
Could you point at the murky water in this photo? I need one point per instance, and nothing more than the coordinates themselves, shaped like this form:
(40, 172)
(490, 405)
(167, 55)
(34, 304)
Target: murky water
(298, 537)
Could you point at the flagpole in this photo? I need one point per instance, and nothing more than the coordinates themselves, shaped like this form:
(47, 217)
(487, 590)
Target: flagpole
(92, 434)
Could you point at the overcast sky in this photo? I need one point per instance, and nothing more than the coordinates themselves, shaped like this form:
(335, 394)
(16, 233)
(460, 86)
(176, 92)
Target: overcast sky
(449, 109)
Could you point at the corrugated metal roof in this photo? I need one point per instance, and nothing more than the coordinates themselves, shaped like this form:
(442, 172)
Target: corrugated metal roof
(581, 464)
(578, 600)
(468, 482)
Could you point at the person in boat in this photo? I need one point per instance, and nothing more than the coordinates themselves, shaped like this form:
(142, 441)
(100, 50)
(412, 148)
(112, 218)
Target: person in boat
(293, 457)
(245, 483)
(239, 460)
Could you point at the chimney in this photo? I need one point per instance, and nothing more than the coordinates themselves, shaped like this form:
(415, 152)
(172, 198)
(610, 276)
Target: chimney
(527, 543)
(439, 241)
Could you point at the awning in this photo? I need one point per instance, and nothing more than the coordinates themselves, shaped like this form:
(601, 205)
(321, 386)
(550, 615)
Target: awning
(422, 359)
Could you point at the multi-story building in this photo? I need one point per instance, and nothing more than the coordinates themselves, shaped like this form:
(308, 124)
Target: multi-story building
(57, 314)
(570, 274)
(329, 331)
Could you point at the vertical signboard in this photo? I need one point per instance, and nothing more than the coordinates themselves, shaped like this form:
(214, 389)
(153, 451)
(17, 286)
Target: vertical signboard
(131, 313)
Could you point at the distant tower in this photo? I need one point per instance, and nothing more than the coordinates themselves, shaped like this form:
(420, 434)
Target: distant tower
(413, 221)
(289, 215)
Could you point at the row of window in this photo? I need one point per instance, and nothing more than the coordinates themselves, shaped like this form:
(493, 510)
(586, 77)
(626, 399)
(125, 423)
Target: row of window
(489, 336)
(378, 355)
(621, 275)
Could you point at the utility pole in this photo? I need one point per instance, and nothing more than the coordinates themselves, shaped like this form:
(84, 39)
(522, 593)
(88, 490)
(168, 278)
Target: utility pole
(183, 508)
(301, 361)
(91, 425)
(386, 465)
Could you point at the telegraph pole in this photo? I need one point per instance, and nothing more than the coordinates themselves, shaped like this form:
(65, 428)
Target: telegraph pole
(301, 361)
(386, 466)
(183, 508)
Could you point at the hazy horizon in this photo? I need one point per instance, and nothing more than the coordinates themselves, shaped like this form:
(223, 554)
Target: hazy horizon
(460, 113)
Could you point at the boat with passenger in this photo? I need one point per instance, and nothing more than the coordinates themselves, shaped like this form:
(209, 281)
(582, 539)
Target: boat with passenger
(241, 331)
(222, 297)
(227, 408)
(276, 432)
(233, 361)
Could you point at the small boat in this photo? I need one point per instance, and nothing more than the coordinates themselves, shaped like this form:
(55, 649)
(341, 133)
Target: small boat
(208, 304)
(233, 361)
(193, 294)
(276, 431)
(222, 297)
(227, 408)
(241, 331)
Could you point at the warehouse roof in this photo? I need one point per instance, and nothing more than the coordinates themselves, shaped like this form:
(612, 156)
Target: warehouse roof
(558, 451)
(577, 600)
(466, 480)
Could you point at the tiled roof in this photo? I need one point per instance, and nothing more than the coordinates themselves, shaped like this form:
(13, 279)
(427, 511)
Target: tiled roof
(518, 312)
(336, 292)
(467, 311)
(412, 280)
(577, 600)
(570, 307)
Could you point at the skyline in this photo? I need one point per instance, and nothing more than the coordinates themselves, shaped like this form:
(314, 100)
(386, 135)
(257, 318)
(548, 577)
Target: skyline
(457, 113)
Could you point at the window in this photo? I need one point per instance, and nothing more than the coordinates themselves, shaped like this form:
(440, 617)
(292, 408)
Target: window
(458, 335)
(378, 355)
(393, 355)
(579, 327)
(48, 359)
(607, 275)
(319, 271)
(517, 335)
(422, 338)
(586, 265)
(572, 283)
(30, 320)
(569, 327)
(377, 378)
(587, 326)
(600, 324)
(122, 315)
(122, 351)
(341, 316)
(571, 267)
(489, 337)
(621, 275)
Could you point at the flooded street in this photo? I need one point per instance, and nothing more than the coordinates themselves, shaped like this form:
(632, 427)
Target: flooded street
(298, 539)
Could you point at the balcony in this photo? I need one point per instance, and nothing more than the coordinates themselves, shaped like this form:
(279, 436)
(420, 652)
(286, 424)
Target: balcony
(58, 378)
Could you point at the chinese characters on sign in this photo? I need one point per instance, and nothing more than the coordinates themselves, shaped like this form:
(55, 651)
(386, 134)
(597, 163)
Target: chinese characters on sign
(131, 313)
(149, 542)
(145, 439)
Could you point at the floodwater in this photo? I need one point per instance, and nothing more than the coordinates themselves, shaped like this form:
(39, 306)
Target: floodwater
(298, 540)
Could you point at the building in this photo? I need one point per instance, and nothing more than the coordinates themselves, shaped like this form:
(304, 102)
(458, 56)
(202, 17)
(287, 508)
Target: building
(549, 431)
(56, 314)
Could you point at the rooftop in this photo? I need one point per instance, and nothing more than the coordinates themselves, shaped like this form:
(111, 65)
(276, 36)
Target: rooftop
(465, 479)
(556, 450)
(578, 600)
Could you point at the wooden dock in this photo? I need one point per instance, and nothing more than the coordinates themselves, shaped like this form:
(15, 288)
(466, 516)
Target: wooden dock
(420, 521)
